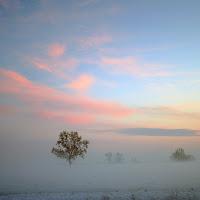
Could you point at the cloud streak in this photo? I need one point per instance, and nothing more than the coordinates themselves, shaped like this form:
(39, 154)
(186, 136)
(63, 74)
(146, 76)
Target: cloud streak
(56, 50)
(55, 64)
(135, 67)
(164, 112)
(61, 104)
(158, 132)
(58, 67)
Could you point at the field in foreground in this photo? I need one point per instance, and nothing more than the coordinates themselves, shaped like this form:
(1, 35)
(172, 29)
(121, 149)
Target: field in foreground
(101, 181)
(137, 194)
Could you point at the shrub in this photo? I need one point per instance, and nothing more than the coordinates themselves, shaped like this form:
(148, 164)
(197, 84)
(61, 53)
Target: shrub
(179, 155)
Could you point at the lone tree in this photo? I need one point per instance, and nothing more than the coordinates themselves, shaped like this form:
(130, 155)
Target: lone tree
(179, 155)
(69, 146)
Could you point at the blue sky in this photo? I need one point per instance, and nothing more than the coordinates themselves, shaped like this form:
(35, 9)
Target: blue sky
(120, 64)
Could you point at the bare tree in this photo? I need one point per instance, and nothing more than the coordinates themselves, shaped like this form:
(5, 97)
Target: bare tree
(109, 157)
(119, 157)
(69, 146)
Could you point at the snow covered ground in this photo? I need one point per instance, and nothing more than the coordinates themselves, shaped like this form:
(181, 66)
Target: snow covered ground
(140, 194)
(101, 181)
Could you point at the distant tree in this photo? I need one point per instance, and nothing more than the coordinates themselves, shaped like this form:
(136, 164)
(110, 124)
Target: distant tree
(69, 146)
(119, 157)
(179, 155)
(109, 157)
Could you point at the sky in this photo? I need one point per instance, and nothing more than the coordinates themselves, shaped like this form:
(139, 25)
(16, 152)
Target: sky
(116, 71)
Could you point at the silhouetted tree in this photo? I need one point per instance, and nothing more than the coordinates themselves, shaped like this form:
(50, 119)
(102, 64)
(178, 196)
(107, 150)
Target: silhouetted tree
(119, 157)
(179, 155)
(109, 157)
(69, 146)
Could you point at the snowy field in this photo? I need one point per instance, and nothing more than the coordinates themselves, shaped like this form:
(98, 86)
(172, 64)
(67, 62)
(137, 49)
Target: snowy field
(140, 194)
(29, 171)
(101, 181)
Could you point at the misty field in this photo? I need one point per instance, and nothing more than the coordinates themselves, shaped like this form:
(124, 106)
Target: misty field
(102, 181)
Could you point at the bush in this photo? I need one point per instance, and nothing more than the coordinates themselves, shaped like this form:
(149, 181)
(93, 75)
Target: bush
(179, 155)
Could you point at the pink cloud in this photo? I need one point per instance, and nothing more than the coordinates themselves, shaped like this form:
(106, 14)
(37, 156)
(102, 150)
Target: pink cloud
(37, 63)
(120, 65)
(121, 62)
(60, 103)
(56, 50)
(83, 82)
(4, 3)
(73, 119)
(113, 109)
(15, 77)
(135, 67)
(58, 67)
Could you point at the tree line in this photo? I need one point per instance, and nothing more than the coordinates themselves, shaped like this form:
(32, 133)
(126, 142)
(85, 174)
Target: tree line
(70, 146)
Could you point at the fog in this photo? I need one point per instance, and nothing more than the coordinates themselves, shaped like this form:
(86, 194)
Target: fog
(27, 165)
